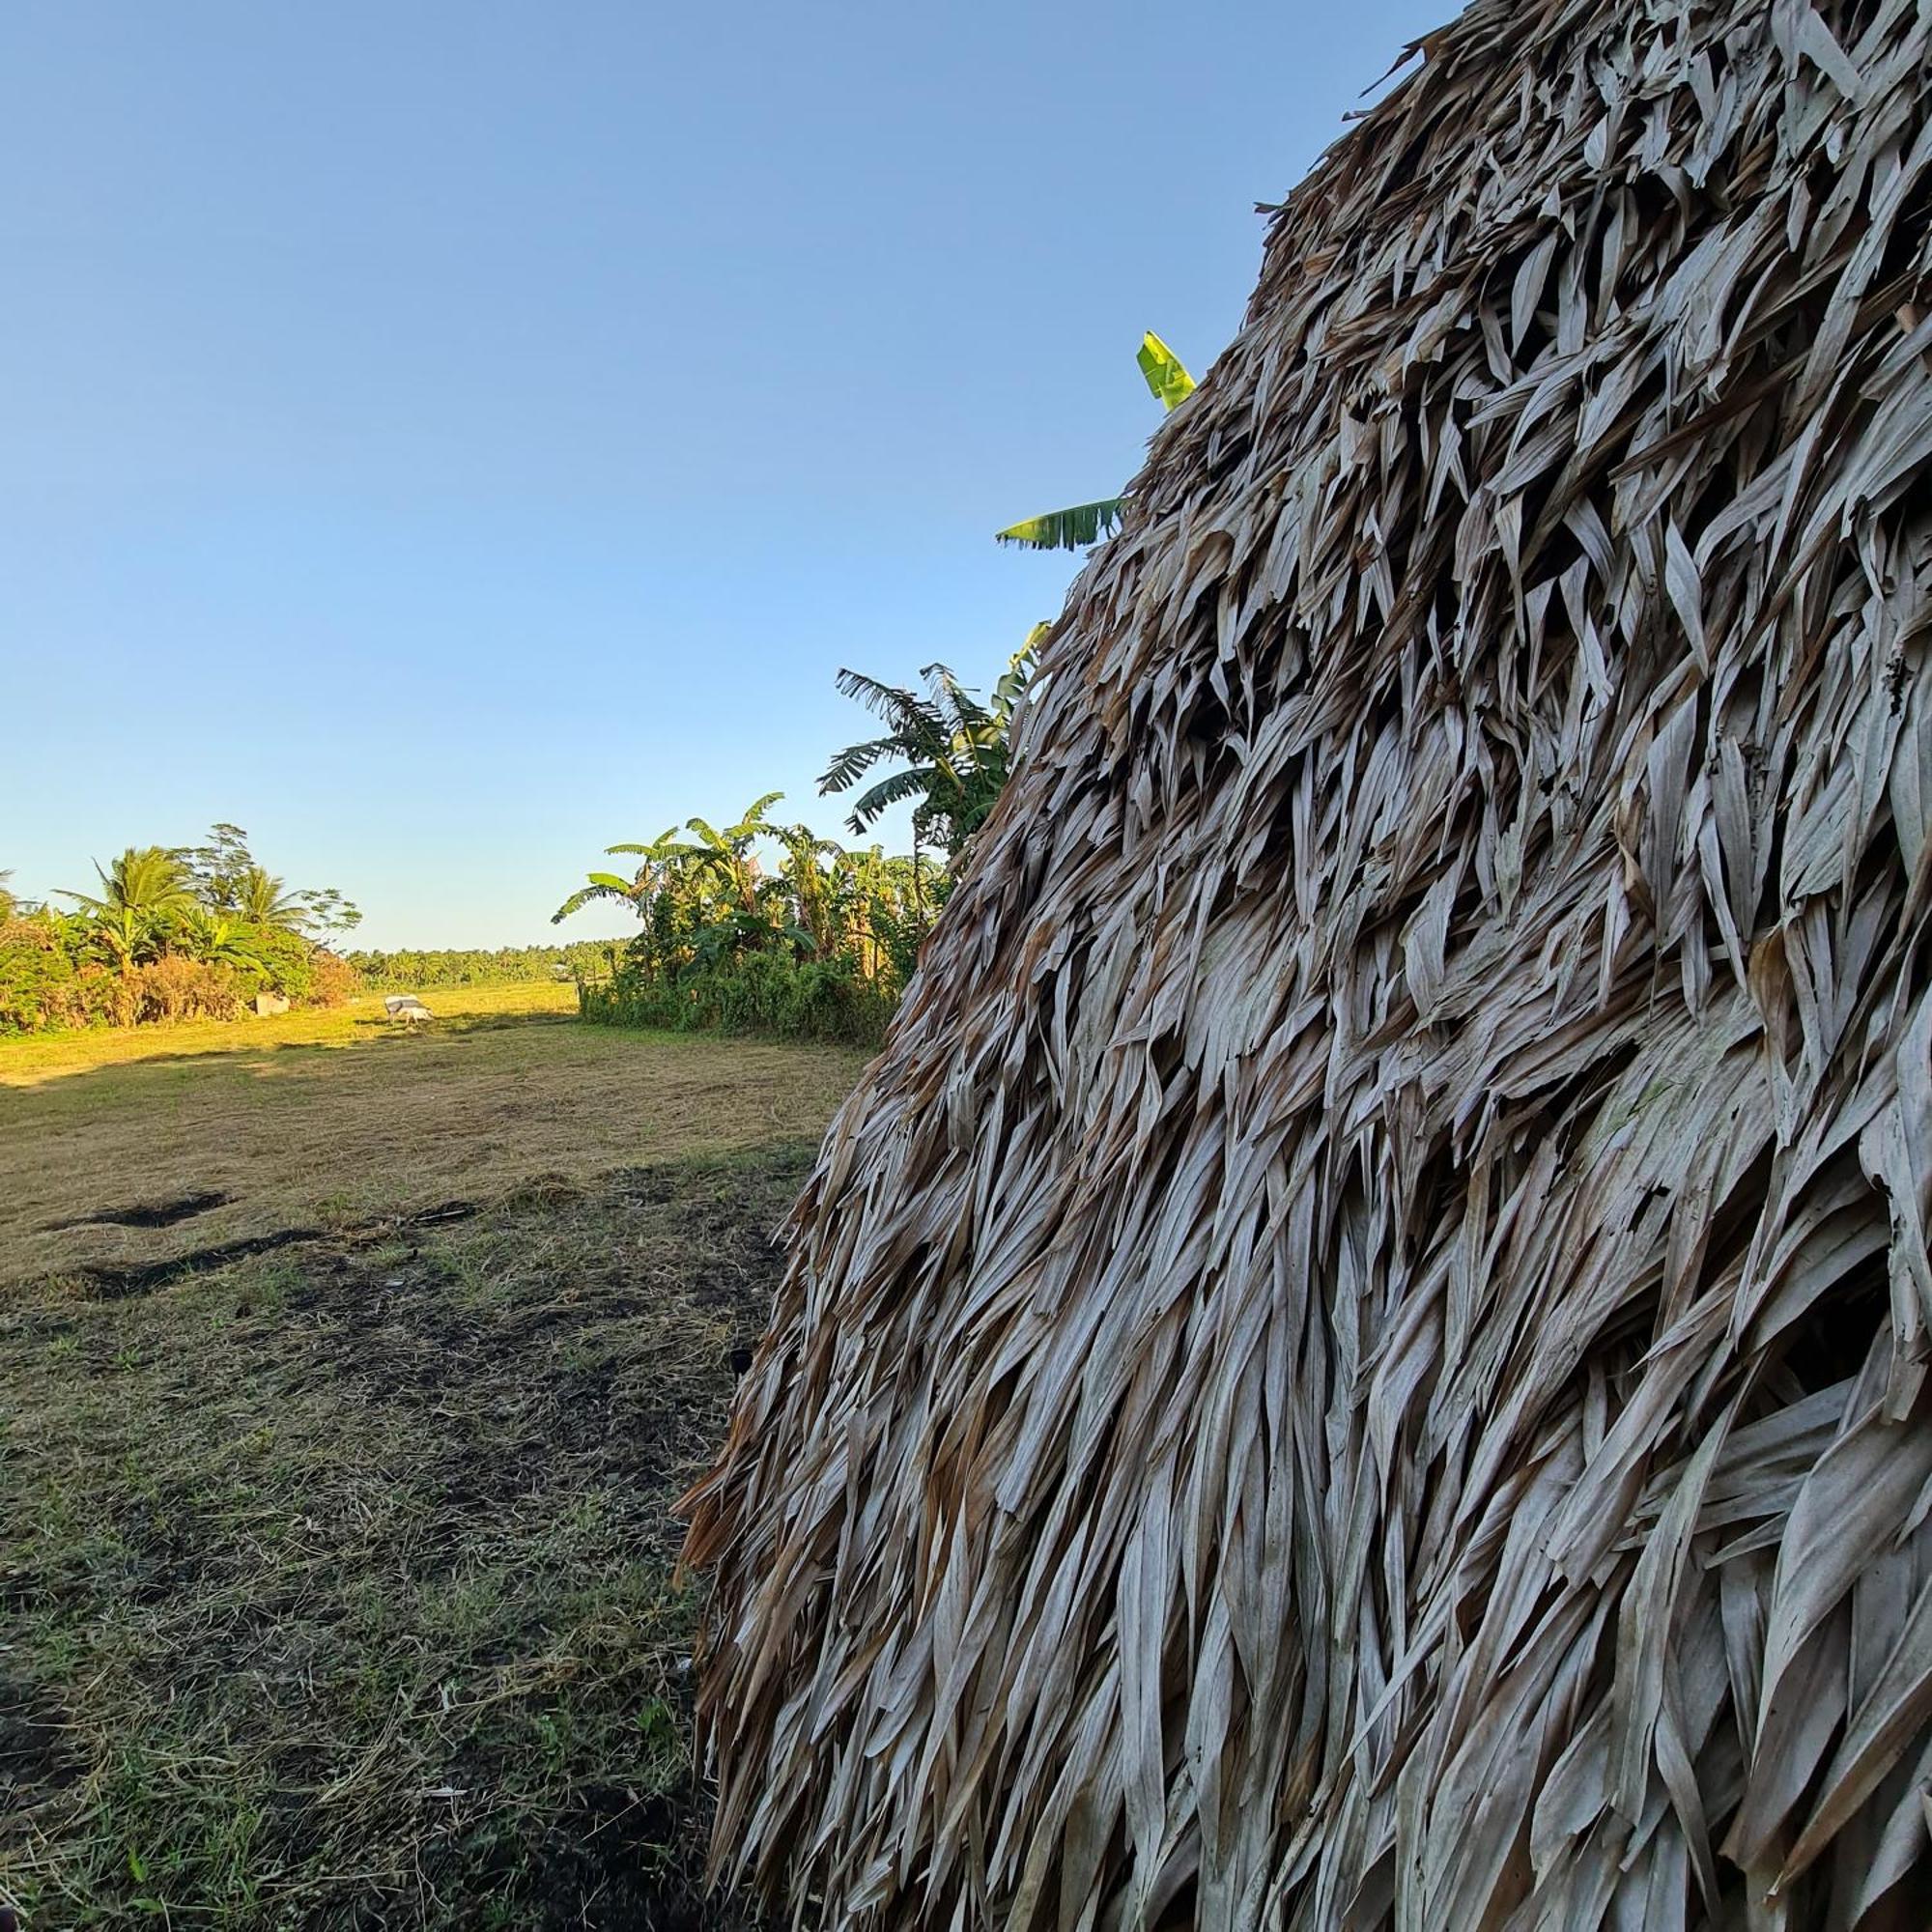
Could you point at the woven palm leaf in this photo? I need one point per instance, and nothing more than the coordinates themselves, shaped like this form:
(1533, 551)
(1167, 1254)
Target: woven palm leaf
(1359, 1359)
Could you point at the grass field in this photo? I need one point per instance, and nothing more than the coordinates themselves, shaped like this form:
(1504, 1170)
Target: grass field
(127, 1152)
(336, 1578)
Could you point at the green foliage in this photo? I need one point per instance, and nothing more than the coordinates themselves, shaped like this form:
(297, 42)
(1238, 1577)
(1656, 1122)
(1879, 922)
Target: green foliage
(1087, 524)
(227, 877)
(780, 994)
(42, 983)
(953, 748)
(411, 970)
(1075, 529)
(762, 927)
(169, 933)
(1166, 376)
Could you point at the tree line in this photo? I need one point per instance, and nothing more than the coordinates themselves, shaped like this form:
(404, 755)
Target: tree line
(759, 925)
(411, 969)
(768, 928)
(169, 932)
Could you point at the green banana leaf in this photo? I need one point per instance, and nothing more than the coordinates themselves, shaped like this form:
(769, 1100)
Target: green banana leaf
(1065, 529)
(1166, 375)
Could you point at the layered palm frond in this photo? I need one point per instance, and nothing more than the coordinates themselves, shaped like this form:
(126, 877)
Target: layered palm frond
(1360, 1357)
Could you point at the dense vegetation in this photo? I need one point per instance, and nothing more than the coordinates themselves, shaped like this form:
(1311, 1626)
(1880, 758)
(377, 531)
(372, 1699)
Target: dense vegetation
(411, 969)
(762, 927)
(170, 933)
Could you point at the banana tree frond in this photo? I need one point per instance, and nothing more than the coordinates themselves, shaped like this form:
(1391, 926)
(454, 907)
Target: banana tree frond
(915, 721)
(1074, 528)
(879, 799)
(969, 716)
(601, 886)
(852, 764)
(1020, 671)
(1166, 376)
(754, 819)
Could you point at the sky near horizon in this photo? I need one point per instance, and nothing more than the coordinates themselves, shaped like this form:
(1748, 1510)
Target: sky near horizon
(444, 440)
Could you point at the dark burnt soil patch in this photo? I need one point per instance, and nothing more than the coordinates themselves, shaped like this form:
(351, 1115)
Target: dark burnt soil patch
(118, 1284)
(33, 1760)
(343, 1577)
(151, 1214)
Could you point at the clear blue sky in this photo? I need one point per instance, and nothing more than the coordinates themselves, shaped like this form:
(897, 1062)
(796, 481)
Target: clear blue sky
(444, 438)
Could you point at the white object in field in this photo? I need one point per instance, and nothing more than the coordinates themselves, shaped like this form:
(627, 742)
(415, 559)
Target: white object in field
(267, 1003)
(405, 1006)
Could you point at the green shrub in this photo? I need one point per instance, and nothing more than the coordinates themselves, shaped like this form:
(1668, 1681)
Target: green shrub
(43, 982)
(779, 994)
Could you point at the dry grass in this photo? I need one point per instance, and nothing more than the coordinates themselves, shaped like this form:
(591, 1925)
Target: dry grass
(324, 1122)
(336, 1578)
(338, 1581)
(31, 1062)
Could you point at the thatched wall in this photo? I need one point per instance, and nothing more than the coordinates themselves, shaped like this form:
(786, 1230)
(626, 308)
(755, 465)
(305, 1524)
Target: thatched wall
(1359, 1358)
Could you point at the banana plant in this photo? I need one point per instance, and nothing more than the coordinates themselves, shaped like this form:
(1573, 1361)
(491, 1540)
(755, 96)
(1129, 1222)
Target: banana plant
(1084, 524)
(729, 858)
(660, 860)
(954, 749)
(217, 939)
(719, 866)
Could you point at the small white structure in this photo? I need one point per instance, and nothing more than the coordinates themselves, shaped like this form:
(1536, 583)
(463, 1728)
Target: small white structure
(408, 1009)
(267, 1003)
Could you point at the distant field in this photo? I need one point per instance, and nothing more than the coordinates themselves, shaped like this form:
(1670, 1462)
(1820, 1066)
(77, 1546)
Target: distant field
(335, 1580)
(331, 1120)
(25, 1062)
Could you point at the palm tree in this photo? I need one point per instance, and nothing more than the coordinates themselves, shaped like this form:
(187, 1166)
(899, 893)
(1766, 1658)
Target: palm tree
(262, 899)
(1088, 522)
(141, 894)
(218, 939)
(144, 878)
(954, 749)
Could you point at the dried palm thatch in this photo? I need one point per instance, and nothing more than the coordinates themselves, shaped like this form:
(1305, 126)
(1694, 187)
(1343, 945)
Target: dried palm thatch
(1359, 1359)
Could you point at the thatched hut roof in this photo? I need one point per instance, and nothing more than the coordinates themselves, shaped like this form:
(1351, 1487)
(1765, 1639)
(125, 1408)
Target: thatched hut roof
(1359, 1358)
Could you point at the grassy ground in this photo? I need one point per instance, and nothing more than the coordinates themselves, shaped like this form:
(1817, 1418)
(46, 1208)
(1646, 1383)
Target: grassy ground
(335, 1587)
(123, 1152)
